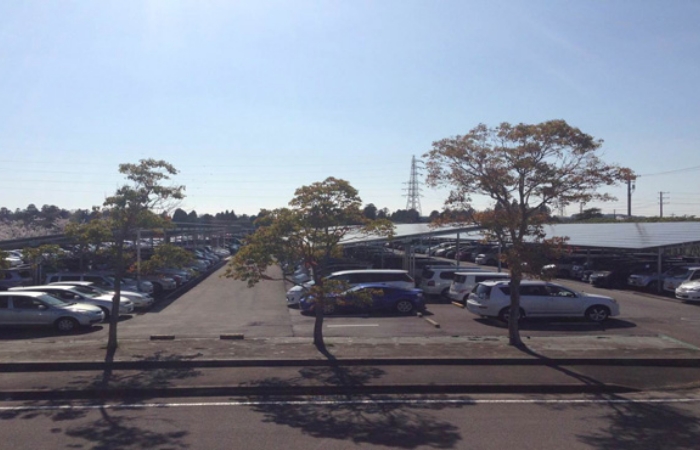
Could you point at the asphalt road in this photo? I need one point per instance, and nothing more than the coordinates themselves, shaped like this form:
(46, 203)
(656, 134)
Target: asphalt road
(537, 423)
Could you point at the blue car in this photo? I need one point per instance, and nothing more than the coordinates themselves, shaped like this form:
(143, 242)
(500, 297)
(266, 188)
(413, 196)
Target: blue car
(386, 298)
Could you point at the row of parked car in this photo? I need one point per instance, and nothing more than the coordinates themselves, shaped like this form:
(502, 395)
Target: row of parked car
(68, 300)
(484, 293)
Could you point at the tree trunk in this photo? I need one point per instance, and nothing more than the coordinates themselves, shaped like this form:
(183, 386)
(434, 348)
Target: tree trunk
(318, 325)
(514, 319)
(112, 342)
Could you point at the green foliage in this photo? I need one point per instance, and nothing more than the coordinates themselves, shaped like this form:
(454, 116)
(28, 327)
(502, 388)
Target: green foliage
(524, 169)
(308, 233)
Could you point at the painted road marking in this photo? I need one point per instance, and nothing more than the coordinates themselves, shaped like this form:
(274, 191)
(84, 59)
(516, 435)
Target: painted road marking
(354, 325)
(318, 402)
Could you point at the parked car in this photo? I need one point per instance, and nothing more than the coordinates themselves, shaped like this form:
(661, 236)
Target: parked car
(387, 298)
(463, 282)
(38, 308)
(384, 277)
(436, 280)
(617, 277)
(675, 276)
(540, 299)
(80, 294)
(14, 277)
(689, 291)
(140, 300)
(649, 279)
(101, 279)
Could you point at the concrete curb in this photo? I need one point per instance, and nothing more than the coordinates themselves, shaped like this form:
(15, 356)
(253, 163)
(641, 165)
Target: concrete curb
(296, 391)
(16, 367)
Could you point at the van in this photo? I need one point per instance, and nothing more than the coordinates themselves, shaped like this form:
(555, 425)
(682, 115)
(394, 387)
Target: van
(464, 282)
(387, 277)
(436, 280)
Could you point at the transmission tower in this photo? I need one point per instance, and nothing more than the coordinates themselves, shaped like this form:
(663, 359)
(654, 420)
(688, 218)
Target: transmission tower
(413, 195)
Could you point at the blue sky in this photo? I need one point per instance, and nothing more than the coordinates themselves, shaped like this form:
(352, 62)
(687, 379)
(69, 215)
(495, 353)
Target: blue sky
(252, 99)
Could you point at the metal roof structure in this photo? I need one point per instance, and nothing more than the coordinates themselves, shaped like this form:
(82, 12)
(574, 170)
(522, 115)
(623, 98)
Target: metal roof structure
(623, 235)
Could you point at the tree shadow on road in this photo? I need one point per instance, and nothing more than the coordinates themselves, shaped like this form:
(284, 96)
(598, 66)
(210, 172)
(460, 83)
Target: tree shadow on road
(363, 419)
(633, 425)
(111, 430)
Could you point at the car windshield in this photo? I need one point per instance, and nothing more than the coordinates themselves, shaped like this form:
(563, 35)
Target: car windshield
(85, 291)
(49, 299)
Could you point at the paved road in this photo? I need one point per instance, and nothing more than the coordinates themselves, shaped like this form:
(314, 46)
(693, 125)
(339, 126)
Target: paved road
(475, 422)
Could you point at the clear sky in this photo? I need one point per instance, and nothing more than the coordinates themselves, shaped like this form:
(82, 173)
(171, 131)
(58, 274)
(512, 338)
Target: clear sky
(252, 99)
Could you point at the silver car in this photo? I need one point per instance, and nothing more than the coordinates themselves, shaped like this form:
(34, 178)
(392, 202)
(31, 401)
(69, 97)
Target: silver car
(72, 294)
(38, 308)
(540, 299)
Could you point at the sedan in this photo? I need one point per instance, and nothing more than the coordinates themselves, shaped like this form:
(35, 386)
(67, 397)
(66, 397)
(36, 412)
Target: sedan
(369, 297)
(689, 291)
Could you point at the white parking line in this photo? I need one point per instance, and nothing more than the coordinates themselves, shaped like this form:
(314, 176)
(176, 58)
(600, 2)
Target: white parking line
(354, 325)
(318, 402)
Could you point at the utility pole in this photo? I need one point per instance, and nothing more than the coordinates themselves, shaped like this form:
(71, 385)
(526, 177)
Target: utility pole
(662, 197)
(630, 188)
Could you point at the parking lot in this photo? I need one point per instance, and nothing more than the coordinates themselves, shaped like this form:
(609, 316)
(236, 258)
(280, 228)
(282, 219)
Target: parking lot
(219, 306)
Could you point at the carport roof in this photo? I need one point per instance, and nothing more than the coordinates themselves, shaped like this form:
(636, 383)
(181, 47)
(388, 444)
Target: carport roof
(624, 235)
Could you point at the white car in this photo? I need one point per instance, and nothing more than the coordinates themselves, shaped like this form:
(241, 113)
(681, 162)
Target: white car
(678, 275)
(38, 308)
(540, 299)
(689, 291)
(140, 300)
(464, 282)
(71, 294)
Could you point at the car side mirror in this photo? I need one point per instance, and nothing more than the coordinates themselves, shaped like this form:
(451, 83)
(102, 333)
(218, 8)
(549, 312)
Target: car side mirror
(42, 307)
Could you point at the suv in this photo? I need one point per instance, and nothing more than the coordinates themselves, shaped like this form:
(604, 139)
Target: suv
(37, 308)
(464, 282)
(539, 299)
(385, 277)
(676, 276)
(436, 280)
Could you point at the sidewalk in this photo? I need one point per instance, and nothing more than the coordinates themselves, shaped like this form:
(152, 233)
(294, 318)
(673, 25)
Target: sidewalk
(293, 366)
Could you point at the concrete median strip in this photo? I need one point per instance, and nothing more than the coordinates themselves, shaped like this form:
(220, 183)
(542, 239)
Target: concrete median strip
(430, 321)
(162, 337)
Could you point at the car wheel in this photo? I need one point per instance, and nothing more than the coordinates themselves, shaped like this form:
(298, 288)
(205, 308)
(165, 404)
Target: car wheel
(597, 313)
(404, 307)
(504, 315)
(653, 286)
(328, 308)
(106, 311)
(445, 292)
(66, 324)
(464, 300)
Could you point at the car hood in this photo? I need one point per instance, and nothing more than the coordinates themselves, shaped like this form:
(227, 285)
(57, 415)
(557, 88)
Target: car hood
(691, 284)
(596, 296)
(80, 307)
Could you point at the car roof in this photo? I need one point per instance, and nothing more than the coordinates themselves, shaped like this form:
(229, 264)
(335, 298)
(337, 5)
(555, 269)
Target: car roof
(480, 272)
(43, 286)
(344, 272)
(380, 286)
(27, 293)
(522, 283)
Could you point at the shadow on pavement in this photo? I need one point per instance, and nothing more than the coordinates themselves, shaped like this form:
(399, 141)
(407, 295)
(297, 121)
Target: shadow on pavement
(360, 419)
(113, 428)
(20, 333)
(539, 324)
